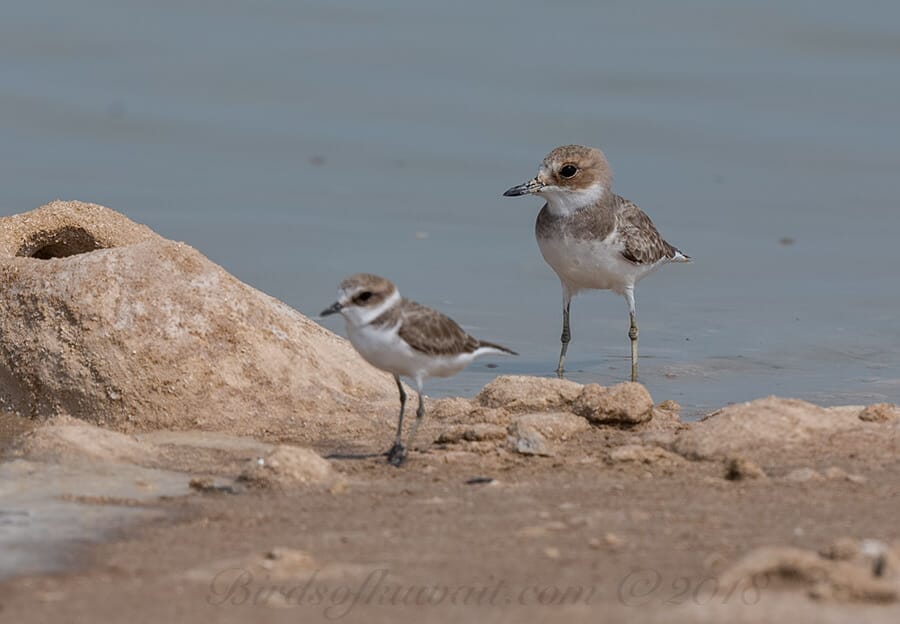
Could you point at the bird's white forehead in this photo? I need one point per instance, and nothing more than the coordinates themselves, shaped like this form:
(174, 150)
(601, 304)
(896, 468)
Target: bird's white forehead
(346, 294)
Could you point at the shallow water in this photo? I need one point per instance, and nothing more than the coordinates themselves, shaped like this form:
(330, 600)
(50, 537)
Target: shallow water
(295, 143)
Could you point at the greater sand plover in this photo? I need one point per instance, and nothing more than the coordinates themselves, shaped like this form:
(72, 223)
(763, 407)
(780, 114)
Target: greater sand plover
(591, 237)
(405, 339)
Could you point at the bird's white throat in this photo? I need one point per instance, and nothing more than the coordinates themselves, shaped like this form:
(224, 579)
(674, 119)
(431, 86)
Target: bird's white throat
(562, 201)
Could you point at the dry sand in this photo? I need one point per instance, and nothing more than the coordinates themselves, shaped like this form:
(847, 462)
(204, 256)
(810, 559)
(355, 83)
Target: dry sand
(611, 523)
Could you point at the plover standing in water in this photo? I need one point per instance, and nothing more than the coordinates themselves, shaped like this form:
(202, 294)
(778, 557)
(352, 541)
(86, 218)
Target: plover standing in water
(405, 339)
(591, 237)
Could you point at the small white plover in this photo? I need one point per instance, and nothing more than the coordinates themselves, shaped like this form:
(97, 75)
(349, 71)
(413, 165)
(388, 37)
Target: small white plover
(591, 237)
(405, 339)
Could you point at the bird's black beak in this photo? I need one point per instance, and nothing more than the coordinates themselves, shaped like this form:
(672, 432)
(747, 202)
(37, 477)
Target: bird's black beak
(334, 308)
(529, 188)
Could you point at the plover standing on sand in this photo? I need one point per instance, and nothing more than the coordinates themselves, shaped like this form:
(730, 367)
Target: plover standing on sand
(591, 237)
(405, 339)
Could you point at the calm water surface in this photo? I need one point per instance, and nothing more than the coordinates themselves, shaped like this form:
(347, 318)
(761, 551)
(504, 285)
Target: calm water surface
(297, 142)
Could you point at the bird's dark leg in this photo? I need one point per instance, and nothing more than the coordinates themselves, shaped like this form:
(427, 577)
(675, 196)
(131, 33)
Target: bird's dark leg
(397, 452)
(420, 415)
(566, 335)
(632, 333)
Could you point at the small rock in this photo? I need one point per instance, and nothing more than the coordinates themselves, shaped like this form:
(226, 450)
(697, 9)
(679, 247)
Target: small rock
(834, 472)
(338, 487)
(531, 532)
(527, 440)
(662, 421)
(206, 484)
(201, 483)
(669, 405)
(841, 549)
(540, 530)
(523, 393)
(448, 408)
(714, 561)
(879, 412)
(662, 439)
(873, 548)
(644, 454)
(802, 475)
(284, 562)
(741, 468)
(594, 543)
(553, 425)
(472, 433)
(289, 465)
(612, 540)
(625, 404)
(551, 552)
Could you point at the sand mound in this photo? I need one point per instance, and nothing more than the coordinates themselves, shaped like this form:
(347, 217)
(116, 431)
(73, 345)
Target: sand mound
(289, 465)
(773, 425)
(73, 443)
(625, 404)
(850, 570)
(520, 393)
(108, 322)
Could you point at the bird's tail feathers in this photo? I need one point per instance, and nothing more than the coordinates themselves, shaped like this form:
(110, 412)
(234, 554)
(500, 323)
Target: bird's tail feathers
(680, 256)
(492, 346)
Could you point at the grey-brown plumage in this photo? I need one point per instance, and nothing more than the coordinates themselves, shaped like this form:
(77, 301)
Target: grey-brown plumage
(428, 331)
(591, 237)
(641, 241)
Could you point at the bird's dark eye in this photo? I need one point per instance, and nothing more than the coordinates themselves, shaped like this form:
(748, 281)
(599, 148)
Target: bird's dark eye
(364, 296)
(568, 171)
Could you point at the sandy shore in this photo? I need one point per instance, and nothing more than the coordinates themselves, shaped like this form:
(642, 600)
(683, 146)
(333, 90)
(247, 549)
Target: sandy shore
(186, 448)
(721, 520)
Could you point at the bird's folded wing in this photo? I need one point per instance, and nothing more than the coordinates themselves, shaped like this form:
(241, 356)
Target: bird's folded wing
(433, 333)
(642, 243)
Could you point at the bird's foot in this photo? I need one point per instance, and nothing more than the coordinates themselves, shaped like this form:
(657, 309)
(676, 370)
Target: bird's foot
(396, 455)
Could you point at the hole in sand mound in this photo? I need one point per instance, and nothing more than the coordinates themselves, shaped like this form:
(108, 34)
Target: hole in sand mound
(61, 243)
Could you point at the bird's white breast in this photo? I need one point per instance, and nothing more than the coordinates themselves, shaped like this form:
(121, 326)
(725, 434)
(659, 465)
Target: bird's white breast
(383, 348)
(591, 263)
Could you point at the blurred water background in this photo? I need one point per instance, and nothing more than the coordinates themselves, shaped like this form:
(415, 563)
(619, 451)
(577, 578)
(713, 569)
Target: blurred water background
(297, 142)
